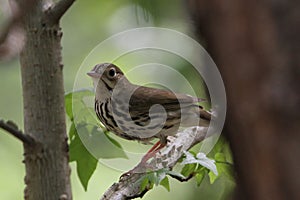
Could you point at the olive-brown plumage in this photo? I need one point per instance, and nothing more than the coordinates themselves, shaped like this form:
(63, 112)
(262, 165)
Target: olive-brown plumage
(142, 113)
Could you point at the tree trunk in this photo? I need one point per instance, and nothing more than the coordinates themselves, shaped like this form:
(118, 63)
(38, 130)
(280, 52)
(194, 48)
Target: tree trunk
(256, 46)
(47, 168)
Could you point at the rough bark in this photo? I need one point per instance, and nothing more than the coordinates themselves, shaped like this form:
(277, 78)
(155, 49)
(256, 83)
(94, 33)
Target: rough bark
(256, 46)
(47, 168)
(129, 186)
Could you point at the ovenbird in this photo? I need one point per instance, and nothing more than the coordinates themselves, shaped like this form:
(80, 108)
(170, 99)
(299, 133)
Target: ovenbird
(142, 113)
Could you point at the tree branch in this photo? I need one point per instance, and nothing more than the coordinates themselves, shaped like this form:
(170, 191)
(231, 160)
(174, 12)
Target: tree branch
(12, 129)
(129, 186)
(59, 9)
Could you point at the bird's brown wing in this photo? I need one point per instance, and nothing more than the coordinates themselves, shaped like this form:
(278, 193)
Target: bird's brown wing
(176, 105)
(145, 97)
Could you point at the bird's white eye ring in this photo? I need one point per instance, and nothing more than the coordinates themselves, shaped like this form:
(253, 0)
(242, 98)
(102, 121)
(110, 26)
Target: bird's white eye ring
(112, 72)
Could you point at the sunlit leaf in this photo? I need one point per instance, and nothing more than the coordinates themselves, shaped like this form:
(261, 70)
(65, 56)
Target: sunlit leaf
(165, 183)
(202, 160)
(144, 183)
(212, 177)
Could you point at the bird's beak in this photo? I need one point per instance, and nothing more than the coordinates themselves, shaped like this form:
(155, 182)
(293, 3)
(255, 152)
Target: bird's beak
(93, 74)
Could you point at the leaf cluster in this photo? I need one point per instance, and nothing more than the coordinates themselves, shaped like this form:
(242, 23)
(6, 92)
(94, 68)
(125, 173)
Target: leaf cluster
(88, 139)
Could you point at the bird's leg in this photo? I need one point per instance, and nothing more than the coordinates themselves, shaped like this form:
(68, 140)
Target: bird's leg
(156, 147)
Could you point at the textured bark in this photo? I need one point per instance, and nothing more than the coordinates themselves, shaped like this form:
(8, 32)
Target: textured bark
(256, 46)
(129, 186)
(47, 168)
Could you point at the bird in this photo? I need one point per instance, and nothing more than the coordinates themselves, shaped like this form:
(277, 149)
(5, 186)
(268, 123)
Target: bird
(141, 113)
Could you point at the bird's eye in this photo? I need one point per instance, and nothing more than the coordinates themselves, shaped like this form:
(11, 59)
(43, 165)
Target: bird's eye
(112, 72)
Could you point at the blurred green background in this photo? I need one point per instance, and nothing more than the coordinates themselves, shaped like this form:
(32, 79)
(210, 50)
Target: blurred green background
(84, 26)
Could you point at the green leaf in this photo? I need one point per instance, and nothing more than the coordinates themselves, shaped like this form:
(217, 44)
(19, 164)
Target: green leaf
(86, 163)
(193, 153)
(86, 114)
(227, 170)
(147, 181)
(144, 183)
(200, 174)
(160, 175)
(212, 177)
(152, 178)
(100, 144)
(223, 168)
(85, 170)
(219, 146)
(199, 178)
(88, 142)
(114, 142)
(165, 183)
(188, 169)
(68, 105)
(72, 131)
(220, 157)
(76, 97)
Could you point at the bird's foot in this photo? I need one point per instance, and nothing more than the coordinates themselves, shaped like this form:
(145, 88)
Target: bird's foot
(143, 166)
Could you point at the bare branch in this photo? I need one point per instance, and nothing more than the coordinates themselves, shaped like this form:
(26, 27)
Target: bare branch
(12, 129)
(59, 9)
(129, 186)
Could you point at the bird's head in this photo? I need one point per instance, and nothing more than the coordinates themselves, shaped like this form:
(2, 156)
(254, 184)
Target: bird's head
(105, 77)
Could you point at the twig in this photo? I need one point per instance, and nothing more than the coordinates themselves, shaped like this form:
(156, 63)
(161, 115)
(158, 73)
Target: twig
(12, 129)
(59, 9)
(129, 186)
(182, 179)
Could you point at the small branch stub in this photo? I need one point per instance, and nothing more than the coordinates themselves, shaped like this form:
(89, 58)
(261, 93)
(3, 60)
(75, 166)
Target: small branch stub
(59, 9)
(11, 128)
